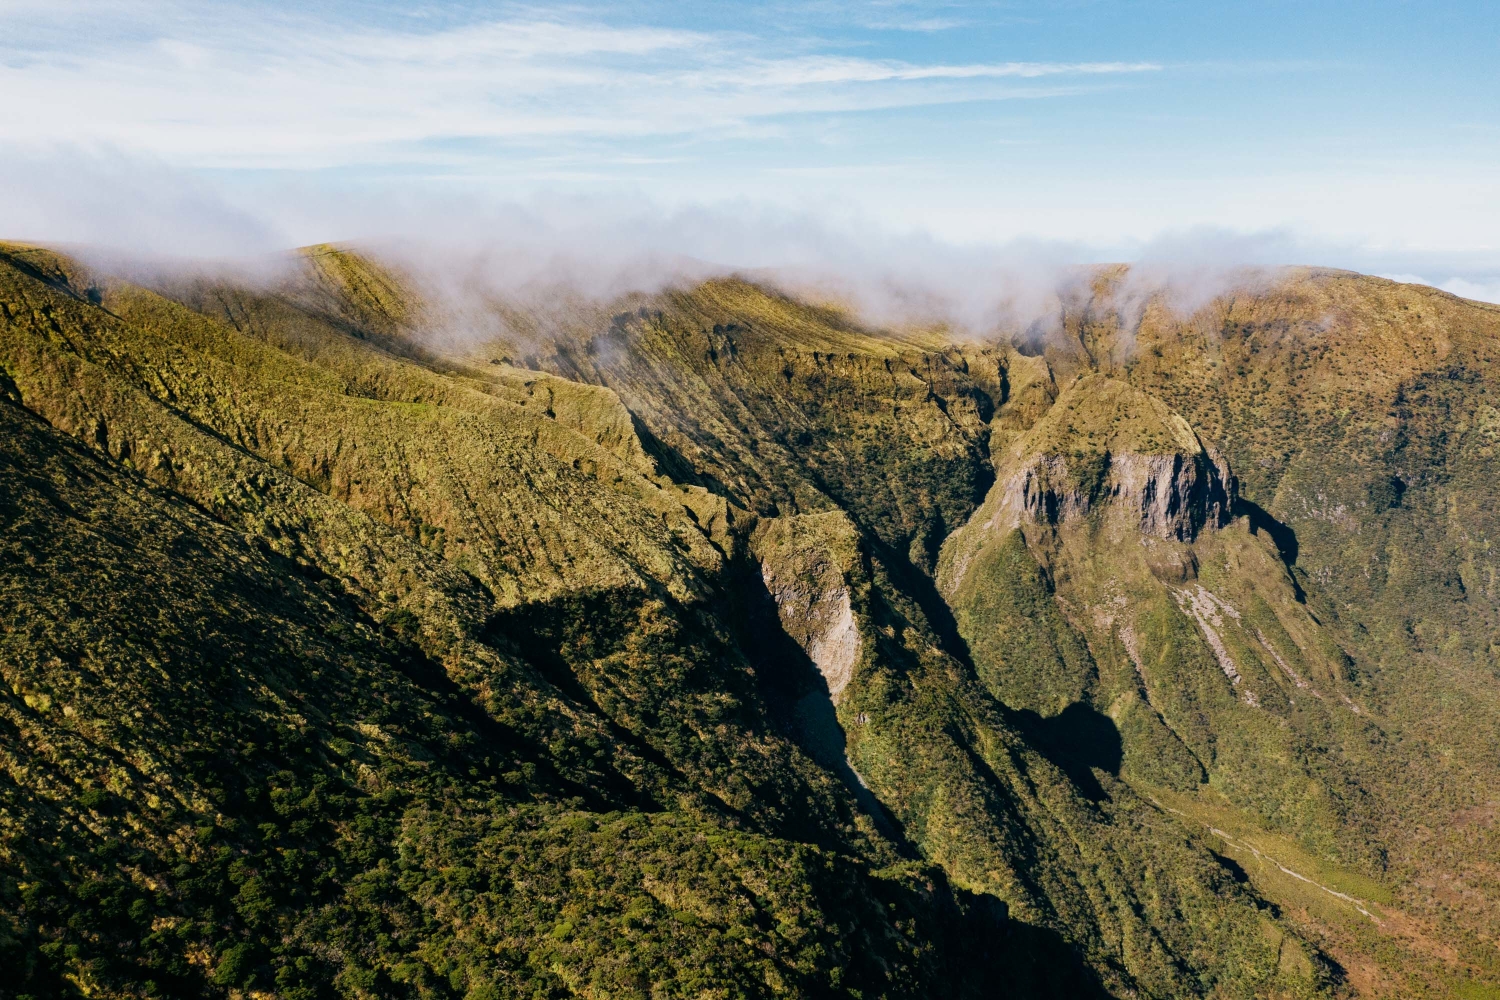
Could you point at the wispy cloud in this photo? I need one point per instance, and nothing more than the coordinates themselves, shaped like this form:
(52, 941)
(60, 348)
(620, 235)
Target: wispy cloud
(925, 25)
(1483, 291)
(813, 70)
(605, 245)
(251, 89)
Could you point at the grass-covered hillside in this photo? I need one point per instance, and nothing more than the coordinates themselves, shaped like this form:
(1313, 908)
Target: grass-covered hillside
(719, 646)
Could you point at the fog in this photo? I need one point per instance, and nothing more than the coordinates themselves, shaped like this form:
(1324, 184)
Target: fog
(465, 251)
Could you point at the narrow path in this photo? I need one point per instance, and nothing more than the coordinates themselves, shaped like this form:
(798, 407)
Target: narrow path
(1358, 904)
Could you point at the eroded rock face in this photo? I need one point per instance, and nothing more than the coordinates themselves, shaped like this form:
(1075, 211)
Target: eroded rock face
(803, 561)
(1105, 449)
(1169, 496)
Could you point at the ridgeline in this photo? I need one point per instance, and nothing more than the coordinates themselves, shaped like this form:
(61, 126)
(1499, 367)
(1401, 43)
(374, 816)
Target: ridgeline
(717, 645)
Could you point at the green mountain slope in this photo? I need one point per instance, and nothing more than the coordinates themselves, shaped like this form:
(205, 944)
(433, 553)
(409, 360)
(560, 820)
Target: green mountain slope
(719, 646)
(221, 773)
(1284, 652)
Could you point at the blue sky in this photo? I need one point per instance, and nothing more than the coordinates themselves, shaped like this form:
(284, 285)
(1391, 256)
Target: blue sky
(1366, 132)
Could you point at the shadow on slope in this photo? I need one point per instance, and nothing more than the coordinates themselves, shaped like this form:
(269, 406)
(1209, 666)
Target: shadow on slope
(1078, 739)
(320, 817)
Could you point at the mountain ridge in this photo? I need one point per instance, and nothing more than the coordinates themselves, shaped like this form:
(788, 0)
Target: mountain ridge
(692, 567)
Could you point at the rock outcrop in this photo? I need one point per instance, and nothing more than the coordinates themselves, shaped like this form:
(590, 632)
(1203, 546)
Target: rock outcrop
(803, 561)
(1104, 449)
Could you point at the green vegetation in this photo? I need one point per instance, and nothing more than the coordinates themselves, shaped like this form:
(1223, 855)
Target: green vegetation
(721, 647)
(1351, 595)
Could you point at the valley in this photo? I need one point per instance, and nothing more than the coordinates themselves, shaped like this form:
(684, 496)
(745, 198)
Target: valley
(714, 643)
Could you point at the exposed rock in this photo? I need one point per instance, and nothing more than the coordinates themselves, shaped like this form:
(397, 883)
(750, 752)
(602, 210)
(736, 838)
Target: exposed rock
(1205, 607)
(1170, 496)
(803, 561)
(1103, 448)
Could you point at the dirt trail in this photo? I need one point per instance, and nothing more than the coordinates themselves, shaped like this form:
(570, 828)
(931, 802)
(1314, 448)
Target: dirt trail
(1359, 904)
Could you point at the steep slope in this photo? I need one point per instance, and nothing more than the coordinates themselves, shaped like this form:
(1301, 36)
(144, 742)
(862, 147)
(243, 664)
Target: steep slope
(640, 766)
(1141, 572)
(221, 773)
(1235, 615)
(732, 647)
(794, 409)
(823, 439)
(1357, 538)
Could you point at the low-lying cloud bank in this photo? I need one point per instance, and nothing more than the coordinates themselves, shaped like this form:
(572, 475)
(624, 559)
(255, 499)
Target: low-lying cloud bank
(1482, 291)
(468, 250)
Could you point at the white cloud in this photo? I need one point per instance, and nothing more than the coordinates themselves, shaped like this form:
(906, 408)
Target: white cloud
(253, 89)
(924, 25)
(1485, 290)
(548, 249)
(828, 69)
(133, 205)
(538, 99)
(1488, 291)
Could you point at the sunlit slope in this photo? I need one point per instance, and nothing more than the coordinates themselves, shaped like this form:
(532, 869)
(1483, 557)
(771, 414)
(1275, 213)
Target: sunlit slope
(490, 504)
(1361, 413)
(736, 725)
(791, 408)
(1158, 602)
(894, 437)
(624, 690)
(1351, 580)
(220, 771)
(1337, 748)
(620, 736)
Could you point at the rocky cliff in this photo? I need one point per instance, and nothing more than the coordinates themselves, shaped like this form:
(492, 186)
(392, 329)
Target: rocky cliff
(717, 644)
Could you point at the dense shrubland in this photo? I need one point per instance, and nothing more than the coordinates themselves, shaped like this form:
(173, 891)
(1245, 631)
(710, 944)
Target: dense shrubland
(341, 661)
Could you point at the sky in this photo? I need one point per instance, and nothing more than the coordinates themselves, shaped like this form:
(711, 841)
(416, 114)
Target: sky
(1364, 135)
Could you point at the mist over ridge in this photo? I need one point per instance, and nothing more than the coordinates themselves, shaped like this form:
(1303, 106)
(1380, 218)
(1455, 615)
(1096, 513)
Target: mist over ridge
(916, 500)
(687, 579)
(136, 218)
